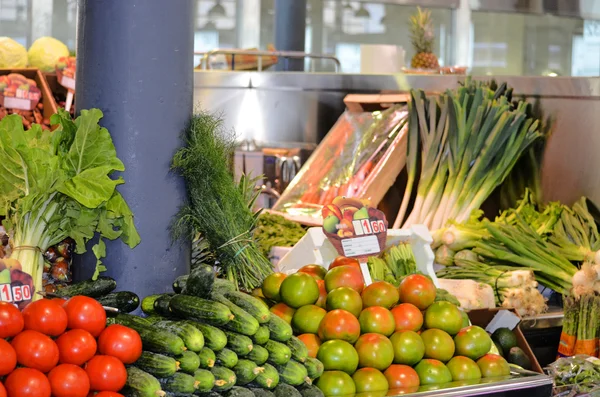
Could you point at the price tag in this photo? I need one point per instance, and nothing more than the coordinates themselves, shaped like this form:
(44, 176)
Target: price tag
(355, 229)
(65, 74)
(18, 92)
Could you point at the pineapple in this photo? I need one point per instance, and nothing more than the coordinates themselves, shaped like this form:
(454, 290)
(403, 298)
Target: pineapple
(422, 37)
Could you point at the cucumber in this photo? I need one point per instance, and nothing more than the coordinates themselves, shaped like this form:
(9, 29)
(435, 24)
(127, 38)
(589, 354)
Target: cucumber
(158, 365)
(206, 380)
(293, 373)
(92, 288)
(242, 322)
(261, 392)
(227, 358)
(224, 378)
(189, 362)
(191, 336)
(214, 338)
(310, 391)
(240, 344)
(253, 306)
(142, 384)
(298, 348)
(269, 378)
(148, 303)
(180, 384)
(199, 309)
(285, 390)
(246, 371)
(314, 367)
(207, 358)
(279, 354)
(154, 318)
(124, 317)
(179, 283)
(208, 394)
(237, 391)
(162, 307)
(280, 330)
(200, 282)
(125, 301)
(262, 335)
(154, 340)
(259, 355)
(222, 286)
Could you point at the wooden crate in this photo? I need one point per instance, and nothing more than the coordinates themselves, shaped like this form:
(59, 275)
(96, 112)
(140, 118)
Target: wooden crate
(38, 77)
(372, 102)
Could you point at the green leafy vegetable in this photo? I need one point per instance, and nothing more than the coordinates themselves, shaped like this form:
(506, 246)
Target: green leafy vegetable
(58, 184)
(275, 231)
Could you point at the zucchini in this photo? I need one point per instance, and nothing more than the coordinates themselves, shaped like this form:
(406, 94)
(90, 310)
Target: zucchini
(207, 358)
(125, 301)
(192, 337)
(242, 322)
(179, 283)
(261, 392)
(279, 354)
(189, 362)
(262, 335)
(237, 391)
(280, 330)
(224, 378)
(227, 358)
(92, 288)
(285, 390)
(246, 371)
(314, 367)
(222, 286)
(293, 373)
(180, 384)
(259, 355)
(206, 380)
(199, 309)
(200, 282)
(214, 338)
(154, 340)
(240, 344)
(269, 378)
(298, 348)
(148, 303)
(162, 307)
(158, 365)
(142, 384)
(253, 306)
(310, 391)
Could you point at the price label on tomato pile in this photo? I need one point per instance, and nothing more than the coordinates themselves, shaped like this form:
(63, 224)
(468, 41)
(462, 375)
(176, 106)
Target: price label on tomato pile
(65, 74)
(18, 92)
(355, 229)
(16, 286)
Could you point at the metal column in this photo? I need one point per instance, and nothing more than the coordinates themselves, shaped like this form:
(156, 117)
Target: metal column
(134, 62)
(290, 31)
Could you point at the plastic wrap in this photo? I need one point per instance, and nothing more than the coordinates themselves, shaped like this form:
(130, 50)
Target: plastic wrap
(348, 161)
(576, 376)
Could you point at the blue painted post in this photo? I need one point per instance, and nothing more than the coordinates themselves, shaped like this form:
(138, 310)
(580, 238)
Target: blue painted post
(135, 63)
(290, 31)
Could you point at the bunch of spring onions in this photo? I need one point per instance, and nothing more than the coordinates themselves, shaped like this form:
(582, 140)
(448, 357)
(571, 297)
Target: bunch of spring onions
(512, 288)
(464, 142)
(395, 263)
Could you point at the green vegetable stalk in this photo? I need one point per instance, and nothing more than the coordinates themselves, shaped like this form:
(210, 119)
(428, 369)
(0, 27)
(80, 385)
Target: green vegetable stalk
(55, 185)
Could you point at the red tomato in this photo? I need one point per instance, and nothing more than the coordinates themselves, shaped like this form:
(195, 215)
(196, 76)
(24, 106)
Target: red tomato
(45, 316)
(418, 290)
(11, 320)
(3, 390)
(106, 373)
(9, 358)
(343, 261)
(86, 313)
(76, 347)
(121, 342)
(60, 301)
(68, 380)
(35, 350)
(27, 382)
(105, 394)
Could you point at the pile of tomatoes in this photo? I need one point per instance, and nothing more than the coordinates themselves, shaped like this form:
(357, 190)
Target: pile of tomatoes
(63, 349)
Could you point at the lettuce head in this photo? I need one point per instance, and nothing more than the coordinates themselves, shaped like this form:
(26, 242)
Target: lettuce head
(45, 52)
(12, 54)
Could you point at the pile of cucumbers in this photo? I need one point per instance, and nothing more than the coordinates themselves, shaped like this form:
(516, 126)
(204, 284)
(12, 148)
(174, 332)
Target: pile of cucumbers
(102, 289)
(209, 339)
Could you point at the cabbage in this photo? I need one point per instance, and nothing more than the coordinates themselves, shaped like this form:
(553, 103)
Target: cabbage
(45, 52)
(12, 54)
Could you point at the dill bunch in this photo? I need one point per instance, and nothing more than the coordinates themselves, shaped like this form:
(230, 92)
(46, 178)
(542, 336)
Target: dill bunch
(218, 208)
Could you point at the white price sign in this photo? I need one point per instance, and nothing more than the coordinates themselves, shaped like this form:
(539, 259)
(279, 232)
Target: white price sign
(361, 246)
(15, 293)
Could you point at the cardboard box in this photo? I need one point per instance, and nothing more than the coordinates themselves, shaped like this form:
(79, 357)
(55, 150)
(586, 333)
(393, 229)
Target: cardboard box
(38, 77)
(483, 317)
